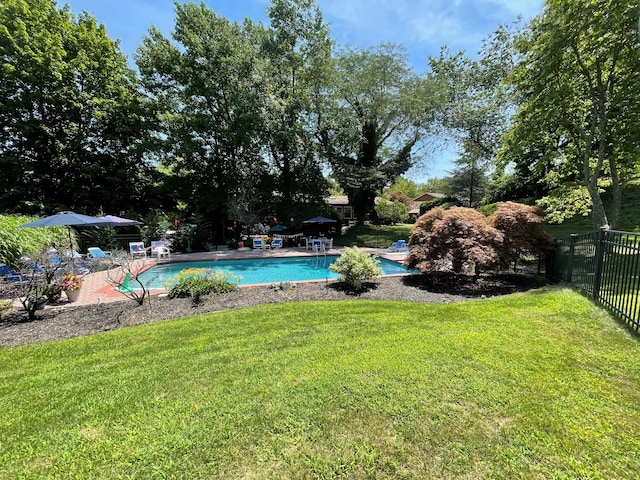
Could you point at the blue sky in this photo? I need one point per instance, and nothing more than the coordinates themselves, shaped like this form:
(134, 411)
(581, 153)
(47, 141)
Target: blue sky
(422, 27)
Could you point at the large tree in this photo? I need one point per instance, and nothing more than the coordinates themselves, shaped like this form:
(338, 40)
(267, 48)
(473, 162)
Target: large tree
(371, 121)
(208, 93)
(476, 110)
(297, 53)
(70, 124)
(468, 180)
(579, 83)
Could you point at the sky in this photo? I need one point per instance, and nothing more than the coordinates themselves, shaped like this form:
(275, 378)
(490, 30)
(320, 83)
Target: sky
(422, 27)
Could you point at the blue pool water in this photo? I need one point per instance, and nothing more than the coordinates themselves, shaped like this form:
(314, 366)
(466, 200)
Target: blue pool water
(261, 270)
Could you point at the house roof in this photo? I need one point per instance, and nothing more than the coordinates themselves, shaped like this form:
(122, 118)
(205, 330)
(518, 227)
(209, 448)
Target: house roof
(413, 208)
(337, 200)
(425, 197)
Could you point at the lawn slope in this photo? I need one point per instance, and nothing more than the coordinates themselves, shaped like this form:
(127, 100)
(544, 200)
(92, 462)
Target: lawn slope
(535, 385)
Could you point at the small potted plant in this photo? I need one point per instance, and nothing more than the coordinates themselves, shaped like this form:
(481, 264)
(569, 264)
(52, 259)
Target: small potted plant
(71, 284)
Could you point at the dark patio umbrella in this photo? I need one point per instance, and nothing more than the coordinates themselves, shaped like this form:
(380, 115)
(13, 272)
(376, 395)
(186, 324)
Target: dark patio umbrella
(320, 220)
(113, 221)
(278, 228)
(65, 219)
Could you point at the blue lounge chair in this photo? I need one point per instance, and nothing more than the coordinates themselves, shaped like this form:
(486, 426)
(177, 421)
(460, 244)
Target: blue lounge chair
(277, 243)
(8, 274)
(72, 259)
(97, 252)
(257, 244)
(398, 246)
(32, 264)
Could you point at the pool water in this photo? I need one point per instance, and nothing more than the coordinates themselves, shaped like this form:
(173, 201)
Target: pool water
(261, 270)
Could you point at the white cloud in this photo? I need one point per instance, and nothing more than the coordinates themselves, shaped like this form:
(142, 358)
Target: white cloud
(423, 26)
(526, 8)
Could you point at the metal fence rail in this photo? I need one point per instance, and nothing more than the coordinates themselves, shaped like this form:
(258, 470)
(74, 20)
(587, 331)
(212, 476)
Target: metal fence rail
(606, 265)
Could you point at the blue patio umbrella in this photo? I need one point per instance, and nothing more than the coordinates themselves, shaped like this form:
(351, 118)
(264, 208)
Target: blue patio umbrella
(277, 228)
(320, 220)
(113, 221)
(65, 219)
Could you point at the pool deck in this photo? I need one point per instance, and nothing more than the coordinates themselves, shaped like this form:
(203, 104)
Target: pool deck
(96, 288)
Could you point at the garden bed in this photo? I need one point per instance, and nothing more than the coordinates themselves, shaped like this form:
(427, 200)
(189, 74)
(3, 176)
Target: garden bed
(69, 322)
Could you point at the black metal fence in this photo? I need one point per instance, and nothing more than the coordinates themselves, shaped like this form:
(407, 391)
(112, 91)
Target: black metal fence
(606, 265)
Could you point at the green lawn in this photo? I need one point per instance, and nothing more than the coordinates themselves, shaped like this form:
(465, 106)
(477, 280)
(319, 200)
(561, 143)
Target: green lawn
(536, 385)
(374, 236)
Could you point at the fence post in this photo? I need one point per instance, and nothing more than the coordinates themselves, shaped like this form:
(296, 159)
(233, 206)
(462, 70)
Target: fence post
(572, 248)
(599, 261)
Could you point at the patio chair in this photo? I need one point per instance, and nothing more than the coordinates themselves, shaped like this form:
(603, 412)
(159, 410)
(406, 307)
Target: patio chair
(398, 246)
(137, 248)
(160, 249)
(72, 259)
(97, 252)
(258, 244)
(318, 246)
(8, 274)
(32, 264)
(277, 243)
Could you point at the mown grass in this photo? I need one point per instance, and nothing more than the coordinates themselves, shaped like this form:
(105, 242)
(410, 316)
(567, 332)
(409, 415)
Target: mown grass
(374, 236)
(536, 385)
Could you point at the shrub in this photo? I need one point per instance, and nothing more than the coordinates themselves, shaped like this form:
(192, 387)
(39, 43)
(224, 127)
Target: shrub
(356, 266)
(463, 240)
(459, 239)
(16, 242)
(522, 227)
(4, 305)
(444, 202)
(391, 213)
(194, 282)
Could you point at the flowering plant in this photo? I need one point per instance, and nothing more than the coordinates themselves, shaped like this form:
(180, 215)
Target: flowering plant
(70, 282)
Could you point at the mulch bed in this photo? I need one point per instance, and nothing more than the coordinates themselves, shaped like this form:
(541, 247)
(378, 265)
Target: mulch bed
(55, 323)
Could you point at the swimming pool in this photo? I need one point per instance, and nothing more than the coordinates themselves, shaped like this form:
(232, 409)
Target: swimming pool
(261, 270)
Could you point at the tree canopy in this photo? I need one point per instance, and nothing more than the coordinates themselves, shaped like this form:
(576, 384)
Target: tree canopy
(70, 118)
(243, 121)
(207, 93)
(373, 117)
(579, 89)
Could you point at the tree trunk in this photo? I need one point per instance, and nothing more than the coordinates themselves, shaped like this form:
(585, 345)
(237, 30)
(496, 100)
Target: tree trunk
(598, 214)
(616, 193)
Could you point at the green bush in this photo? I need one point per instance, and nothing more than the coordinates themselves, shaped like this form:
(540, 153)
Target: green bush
(356, 266)
(488, 210)
(194, 282)
(4, 305)
(444, 203)
(391, 213)
(17, 242)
